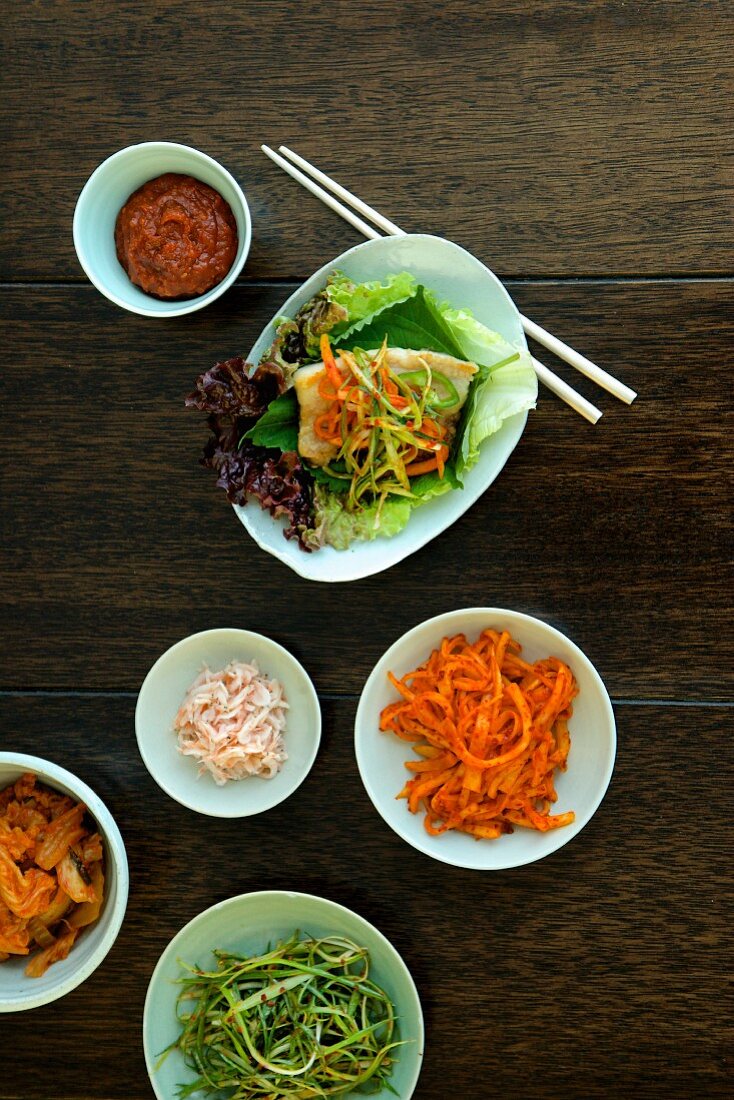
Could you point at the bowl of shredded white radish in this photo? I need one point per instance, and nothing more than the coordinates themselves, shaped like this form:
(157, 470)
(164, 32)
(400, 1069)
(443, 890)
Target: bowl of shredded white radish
(228, 722)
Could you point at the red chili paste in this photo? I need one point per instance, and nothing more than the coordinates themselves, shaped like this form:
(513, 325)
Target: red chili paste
(176, 237)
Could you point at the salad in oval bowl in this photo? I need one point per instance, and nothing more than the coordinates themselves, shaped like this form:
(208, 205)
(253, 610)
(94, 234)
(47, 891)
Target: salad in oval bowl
(374, 409)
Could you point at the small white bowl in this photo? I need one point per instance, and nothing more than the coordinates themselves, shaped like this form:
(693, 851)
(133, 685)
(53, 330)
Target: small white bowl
(106, 192)
(381, 756)
(247, 924)
(17, 992)
(163, 692)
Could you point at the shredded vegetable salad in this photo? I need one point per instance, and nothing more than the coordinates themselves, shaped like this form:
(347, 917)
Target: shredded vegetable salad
(232, 721)
(345, 441)
(385, 424)
(491, 730)
(304, 1020)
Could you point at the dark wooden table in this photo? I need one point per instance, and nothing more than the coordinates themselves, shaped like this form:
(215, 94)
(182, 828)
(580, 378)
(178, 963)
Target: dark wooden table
(580, 149)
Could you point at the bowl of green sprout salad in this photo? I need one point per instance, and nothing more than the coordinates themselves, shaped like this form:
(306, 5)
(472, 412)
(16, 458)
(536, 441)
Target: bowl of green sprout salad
(281, 994)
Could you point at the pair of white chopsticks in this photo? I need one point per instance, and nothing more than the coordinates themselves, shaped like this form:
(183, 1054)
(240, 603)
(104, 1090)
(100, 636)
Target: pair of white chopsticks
(552, 343)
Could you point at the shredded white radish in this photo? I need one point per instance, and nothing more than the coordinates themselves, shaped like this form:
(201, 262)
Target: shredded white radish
(232, 722)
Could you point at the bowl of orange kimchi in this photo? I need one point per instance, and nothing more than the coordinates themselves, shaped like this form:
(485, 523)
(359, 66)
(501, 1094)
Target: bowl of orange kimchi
(485, 738)
(63, 881)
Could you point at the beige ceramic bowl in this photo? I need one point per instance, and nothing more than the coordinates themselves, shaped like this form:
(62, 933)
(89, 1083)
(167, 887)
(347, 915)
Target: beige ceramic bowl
(163, 692)
(248, 924)
(381, 756)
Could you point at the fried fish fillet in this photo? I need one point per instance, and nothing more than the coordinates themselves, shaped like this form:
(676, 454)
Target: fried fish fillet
(312, 404)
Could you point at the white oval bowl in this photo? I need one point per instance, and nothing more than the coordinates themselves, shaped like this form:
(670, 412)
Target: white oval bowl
(163, 691)
(455, 276)
(17, 992)
(106, 192)
(247, 924)
(381, 756)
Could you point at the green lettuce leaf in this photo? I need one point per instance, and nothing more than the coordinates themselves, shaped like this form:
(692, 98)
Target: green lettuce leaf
(335, 484)
(477, 342)
(332, 310)
(362, 300)
(278, 425)
(417, 323)
(497, 394)
(505, 385)
(336, 527)
(427, 486)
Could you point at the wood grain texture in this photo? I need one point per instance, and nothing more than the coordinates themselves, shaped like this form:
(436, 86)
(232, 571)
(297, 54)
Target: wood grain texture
(117, 543)
(598, 972)
(583, 136)
(555, 139)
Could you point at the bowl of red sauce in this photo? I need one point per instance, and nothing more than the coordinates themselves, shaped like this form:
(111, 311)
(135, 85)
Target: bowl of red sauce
(162, 229)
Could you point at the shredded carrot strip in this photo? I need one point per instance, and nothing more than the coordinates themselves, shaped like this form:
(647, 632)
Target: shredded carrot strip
(428, 464)
(329, 361)
(326, 426)
(491, 731)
